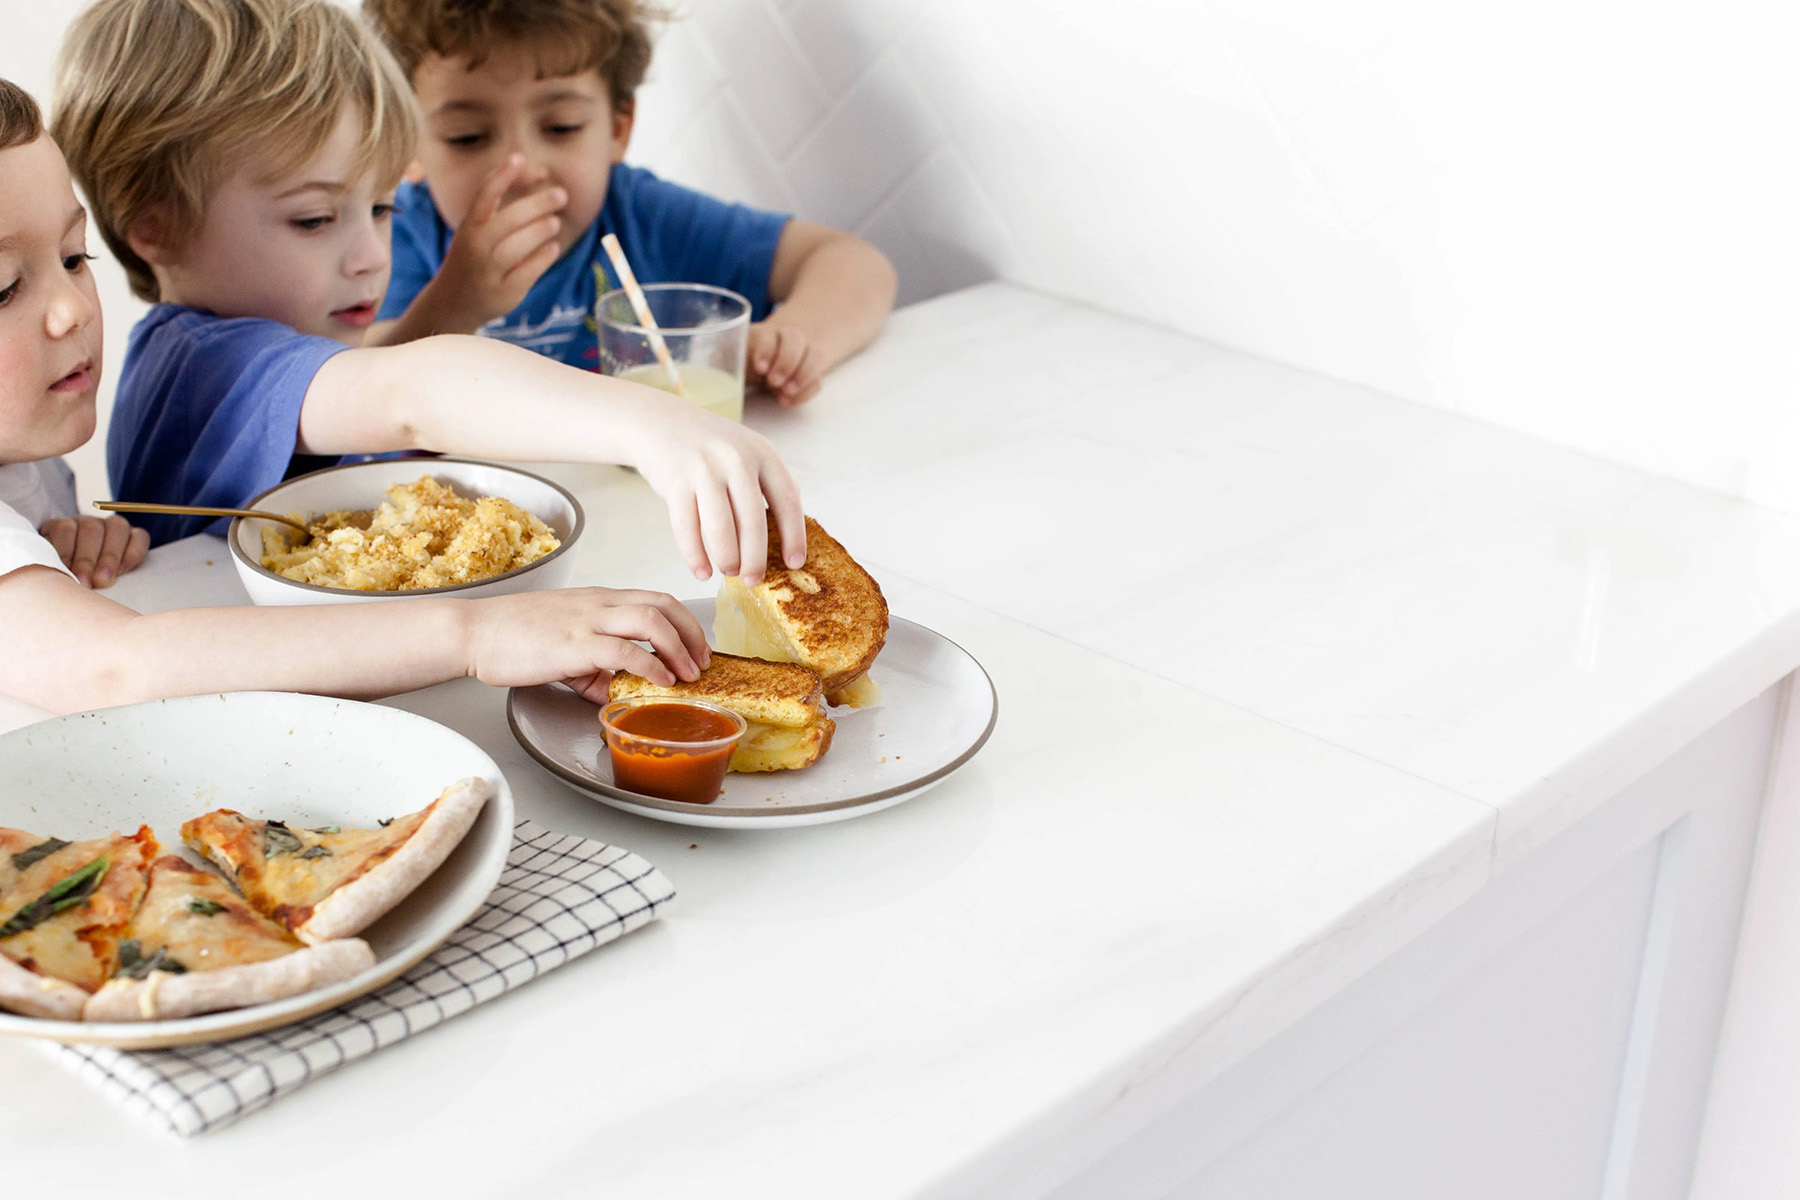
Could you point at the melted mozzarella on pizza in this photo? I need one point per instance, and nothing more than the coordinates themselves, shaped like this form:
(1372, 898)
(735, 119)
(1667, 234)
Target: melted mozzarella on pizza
(194, 918)
(285, 870)
(80, 944)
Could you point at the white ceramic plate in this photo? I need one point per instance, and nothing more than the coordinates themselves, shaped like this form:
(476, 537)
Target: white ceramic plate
(308, 759)
(937, 709)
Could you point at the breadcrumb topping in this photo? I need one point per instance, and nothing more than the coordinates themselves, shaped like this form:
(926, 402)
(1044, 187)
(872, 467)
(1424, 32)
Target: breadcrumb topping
(424, 535)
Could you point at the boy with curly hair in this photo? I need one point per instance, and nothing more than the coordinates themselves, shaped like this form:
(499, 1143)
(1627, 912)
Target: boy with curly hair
(528, 109)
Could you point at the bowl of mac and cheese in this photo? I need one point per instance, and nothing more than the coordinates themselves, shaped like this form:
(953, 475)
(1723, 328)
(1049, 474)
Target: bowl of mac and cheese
(407, 527)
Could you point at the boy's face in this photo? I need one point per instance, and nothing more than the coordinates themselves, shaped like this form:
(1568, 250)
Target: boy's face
(49, 309)
(565, 128)
(309, 249)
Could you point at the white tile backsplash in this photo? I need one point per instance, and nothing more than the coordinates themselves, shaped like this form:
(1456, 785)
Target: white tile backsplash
(1570, 217)
(750, 42)
(868, 147)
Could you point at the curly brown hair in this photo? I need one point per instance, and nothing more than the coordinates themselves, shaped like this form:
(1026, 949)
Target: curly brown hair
(20, 120)
(568, 36)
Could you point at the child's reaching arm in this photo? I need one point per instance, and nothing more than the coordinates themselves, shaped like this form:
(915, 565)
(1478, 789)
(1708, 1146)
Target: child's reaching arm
(471, 395)
(88, 652)
(834, 292)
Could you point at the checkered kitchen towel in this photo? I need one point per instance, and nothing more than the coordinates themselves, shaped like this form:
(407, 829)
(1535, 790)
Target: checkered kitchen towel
(558, 898)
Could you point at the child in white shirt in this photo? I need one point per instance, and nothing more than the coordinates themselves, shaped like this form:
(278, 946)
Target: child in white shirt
(38, 519)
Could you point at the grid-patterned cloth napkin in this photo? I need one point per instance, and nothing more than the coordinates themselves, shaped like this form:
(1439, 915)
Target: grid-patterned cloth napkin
(558, 898)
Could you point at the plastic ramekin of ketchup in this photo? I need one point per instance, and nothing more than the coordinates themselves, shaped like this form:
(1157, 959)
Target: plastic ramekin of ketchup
(674, 749)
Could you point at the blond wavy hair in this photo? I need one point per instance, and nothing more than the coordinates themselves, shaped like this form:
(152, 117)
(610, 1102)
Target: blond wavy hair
(158, 101)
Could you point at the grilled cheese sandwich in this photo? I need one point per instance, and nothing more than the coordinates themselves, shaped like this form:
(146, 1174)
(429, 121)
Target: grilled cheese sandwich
(828, 615)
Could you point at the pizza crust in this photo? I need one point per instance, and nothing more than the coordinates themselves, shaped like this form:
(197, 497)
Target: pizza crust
(35, 995)
(161, 996)
(359, 903)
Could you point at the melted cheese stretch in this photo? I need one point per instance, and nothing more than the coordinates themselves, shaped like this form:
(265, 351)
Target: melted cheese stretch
(860, 692)
(739, 627)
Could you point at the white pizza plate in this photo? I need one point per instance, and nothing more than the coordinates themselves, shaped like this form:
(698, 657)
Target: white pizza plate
(937, 709)
(305, 759)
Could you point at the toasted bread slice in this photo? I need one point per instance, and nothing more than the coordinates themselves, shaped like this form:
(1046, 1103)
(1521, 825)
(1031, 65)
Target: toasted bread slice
(783, 703)
(829, 615)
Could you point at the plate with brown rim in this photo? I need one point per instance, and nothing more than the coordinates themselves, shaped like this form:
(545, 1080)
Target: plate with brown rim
(937, 709)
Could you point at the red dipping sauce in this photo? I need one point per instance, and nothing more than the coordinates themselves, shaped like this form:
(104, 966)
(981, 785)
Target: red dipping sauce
(672, 749)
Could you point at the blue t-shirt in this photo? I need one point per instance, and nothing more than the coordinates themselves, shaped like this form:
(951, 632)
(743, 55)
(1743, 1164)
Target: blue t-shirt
(669, 233)
(208, 412)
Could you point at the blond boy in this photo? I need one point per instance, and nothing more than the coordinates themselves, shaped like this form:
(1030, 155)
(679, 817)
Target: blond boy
(528, 108)
(241, 158)
(70, 648)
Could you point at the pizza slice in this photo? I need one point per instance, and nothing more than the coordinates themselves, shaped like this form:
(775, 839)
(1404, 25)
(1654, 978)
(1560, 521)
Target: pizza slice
(331, 882)
(195, 947)
(64, 907)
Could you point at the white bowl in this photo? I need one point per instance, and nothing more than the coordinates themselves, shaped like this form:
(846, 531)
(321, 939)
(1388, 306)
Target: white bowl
(364, 485)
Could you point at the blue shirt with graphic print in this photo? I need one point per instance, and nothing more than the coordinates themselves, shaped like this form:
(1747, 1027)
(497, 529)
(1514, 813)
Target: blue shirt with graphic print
(670, 234)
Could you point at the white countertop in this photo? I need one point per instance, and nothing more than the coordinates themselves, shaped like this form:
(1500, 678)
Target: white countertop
(1364, 656)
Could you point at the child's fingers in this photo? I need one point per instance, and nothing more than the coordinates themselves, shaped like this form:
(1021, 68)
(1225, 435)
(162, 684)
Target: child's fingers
(801, 388)
(532, 269)
(60, 533)
(513, 250)
(801, 377)
(687, 625)
(90, 536)
(718, 529)
(115, 539)
(621, 655)
(783, 495)
(761, 349)
(595, 688)
(649, 623)
(493, 189)
(684, 521)
(790, 352)
(529, 209)
(752, 526)
(135, 549)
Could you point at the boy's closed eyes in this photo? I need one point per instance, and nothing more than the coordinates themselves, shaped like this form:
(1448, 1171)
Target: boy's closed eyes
(563, 128)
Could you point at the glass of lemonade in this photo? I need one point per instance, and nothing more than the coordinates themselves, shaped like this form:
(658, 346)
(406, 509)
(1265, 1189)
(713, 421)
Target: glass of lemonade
(706, 328)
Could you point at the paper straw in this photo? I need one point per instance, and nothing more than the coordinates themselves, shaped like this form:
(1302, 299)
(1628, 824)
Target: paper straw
(641, 307)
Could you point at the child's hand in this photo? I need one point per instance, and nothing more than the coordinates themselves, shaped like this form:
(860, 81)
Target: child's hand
(583, 635)
(778, 358)
(721, 482)
(96, 550)
(501, 247)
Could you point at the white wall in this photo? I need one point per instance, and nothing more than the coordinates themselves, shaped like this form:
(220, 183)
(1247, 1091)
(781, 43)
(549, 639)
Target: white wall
(1577, 218)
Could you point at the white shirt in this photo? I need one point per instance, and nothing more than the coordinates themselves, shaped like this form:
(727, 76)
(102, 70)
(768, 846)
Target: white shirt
(30, 494)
